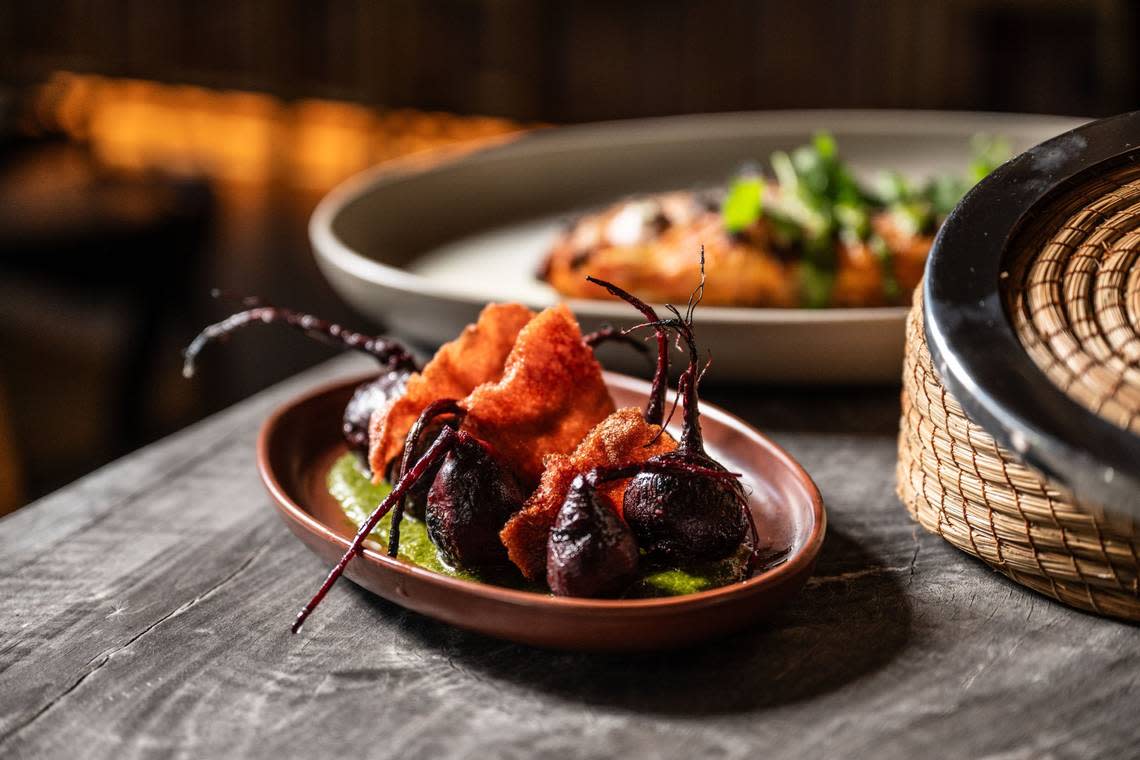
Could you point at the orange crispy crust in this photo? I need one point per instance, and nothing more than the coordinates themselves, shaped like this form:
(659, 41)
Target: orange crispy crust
(477, 356)
(618, 440)
(550, 396)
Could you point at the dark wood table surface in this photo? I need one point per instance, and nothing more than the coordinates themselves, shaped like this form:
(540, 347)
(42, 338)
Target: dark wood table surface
(144, 612)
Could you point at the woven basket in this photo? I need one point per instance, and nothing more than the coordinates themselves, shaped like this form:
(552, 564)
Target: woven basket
(1074, 296)
(957, 482)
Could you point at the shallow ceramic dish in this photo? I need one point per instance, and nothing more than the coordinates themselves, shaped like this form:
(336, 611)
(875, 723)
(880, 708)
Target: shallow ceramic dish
(422, 250)
(301, 440)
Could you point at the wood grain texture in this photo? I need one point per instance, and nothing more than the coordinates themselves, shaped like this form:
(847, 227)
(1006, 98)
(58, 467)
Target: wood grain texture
(144, 612)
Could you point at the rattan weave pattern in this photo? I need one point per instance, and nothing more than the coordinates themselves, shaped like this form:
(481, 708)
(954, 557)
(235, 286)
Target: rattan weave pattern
(957, 482)
(1073, 294)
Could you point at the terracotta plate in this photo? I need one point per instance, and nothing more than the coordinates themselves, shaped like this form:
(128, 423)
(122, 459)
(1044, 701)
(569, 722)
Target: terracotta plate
(300, 441)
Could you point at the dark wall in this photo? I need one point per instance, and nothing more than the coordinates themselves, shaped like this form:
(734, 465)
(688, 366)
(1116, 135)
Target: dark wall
(564, 61)
(76, 389)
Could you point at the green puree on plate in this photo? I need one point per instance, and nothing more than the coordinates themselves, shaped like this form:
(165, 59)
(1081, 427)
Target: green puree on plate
(358, 496)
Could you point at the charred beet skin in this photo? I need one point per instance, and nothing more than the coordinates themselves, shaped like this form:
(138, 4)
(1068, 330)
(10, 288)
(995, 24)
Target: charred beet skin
(469, 502)
(591, 551)
(681, 516)
(470, 496)
(367, 398)
(423, 431)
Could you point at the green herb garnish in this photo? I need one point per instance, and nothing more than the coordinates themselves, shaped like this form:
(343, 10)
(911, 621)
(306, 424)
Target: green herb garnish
(818, 203)
(743, 204)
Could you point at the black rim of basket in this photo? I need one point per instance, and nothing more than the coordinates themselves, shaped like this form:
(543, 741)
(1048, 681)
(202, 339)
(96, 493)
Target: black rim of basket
(972, 342)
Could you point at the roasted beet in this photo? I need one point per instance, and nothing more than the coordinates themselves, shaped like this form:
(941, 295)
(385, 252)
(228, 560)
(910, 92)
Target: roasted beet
(466, 496)
(397, 362)
(420, 436)
(681, 506)
(591, 551)
(471, 497)
(679, 515)
(683, 517)
(367, 398)
(468, 504)
(469, 491)
(439, 448)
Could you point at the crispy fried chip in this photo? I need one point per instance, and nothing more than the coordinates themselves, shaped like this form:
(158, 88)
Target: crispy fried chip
(550, 396)
(618, 440)
(477, 356)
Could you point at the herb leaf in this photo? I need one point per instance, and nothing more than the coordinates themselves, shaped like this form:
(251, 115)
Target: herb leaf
(743, 204)
(817, 204)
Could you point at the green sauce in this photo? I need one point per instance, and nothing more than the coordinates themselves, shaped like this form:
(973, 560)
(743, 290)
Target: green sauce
(358, 496)
(674, 581)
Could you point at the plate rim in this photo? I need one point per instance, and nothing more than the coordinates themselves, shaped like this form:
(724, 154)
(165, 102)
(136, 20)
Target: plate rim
(799, 562)
(331, 251)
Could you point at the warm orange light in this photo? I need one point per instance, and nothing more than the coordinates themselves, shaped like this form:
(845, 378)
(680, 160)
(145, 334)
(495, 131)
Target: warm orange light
(241, 137)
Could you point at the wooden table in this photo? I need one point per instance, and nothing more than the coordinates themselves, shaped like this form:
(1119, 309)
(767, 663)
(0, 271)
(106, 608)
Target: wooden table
(144, 612)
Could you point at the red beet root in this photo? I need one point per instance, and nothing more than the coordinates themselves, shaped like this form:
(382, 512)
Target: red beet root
(681, 507)
(469, 502)
(366, 399)
(469, 492)
(686, 518)
(435, 453)
(683, 516)
(591, 551)
(426, 429)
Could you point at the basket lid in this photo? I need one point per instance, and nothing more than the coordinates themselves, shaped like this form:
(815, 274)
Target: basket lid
(1032, 309)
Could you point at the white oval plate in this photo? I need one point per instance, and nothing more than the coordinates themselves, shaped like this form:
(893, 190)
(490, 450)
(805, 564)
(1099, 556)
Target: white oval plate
(422, 250)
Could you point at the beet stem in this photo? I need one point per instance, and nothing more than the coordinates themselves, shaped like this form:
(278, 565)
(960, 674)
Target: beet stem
(387, 352)
(438, 449)
(609, 333)
(655, 408)
(692, 439)
(663, 467)
(431, 411)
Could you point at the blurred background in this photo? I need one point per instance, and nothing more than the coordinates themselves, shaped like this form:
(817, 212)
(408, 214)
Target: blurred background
(152, 151)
